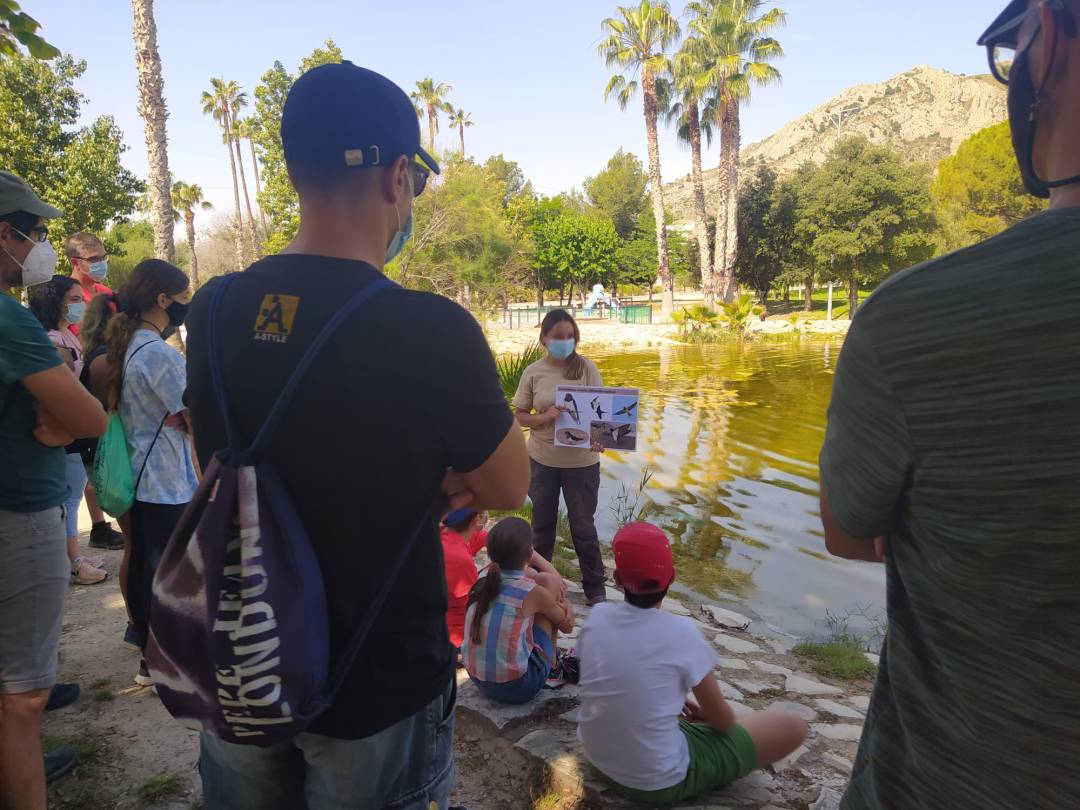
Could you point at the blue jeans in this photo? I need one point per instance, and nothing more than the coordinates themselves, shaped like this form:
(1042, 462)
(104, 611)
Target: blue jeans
(76, 481)
(408, 766)
(528, 686)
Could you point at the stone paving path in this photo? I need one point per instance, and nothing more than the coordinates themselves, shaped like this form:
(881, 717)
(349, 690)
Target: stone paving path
(754, 673)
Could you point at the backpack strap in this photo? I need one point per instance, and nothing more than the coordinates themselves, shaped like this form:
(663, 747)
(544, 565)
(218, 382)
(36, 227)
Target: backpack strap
(217, 376)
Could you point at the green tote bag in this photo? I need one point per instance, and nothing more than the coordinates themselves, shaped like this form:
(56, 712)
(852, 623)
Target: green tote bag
(113, 479)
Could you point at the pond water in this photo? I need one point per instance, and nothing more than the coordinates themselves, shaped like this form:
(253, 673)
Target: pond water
(729, 435)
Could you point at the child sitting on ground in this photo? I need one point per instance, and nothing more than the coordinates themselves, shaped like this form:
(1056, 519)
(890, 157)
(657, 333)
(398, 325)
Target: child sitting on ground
(463, 536)
(637, 726)
(513, 618)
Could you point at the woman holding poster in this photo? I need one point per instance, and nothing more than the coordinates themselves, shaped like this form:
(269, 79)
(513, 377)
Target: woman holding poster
(574, 471)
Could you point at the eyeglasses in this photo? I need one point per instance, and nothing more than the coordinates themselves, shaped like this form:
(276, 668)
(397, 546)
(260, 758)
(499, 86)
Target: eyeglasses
(420, 178)
(42, 233)
(1003, 43)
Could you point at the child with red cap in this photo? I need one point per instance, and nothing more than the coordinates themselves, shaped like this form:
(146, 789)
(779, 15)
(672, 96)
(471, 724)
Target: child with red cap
(639, 728)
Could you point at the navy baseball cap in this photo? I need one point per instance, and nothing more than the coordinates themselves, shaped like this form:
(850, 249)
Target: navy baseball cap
(344, 116)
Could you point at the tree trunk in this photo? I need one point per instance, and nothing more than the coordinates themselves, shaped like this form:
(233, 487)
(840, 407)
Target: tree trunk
(562, 289)
(252, 236)
(853, 297)
(787, 294)
(238, 222)
(727, 225)
(808, 304)
(189, 222)
(569, 296)
(154, 114)
(667, 302)
(461, 131)
(702, 223)
(431, 127)
(539, 295)
(258, 187)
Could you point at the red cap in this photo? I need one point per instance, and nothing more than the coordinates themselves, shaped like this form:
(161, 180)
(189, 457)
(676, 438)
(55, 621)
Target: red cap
(643, 562)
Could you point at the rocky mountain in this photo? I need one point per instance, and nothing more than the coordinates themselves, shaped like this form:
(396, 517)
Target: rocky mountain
(924, 113)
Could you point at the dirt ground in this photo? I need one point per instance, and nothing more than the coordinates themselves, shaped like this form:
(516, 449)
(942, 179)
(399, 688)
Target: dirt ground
(134, 755)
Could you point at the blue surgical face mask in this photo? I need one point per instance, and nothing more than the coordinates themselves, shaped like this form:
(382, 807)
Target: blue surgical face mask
(76, 311)
(403, 235)
(561, 349)
(98, 270)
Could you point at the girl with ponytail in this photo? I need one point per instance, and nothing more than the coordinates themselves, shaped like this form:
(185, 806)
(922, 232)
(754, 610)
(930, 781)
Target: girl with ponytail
(513, 618)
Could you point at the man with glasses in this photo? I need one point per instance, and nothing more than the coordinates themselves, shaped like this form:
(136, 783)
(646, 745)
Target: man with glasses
(404, 392)
(89, 265)
(952, 454)
(42, 408)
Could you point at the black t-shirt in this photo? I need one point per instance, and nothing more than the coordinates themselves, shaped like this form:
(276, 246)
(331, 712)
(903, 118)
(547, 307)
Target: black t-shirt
(406, 389)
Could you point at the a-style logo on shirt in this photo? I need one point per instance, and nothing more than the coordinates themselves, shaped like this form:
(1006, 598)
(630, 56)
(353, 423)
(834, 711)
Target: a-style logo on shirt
(274, 321)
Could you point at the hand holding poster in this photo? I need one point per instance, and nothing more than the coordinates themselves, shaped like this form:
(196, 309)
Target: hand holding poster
(598, 418)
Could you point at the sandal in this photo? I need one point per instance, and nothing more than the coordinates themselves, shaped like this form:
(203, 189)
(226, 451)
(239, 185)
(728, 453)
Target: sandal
(83, 573)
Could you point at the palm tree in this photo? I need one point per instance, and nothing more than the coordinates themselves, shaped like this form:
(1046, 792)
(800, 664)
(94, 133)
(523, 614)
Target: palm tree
(237, 101)
(186, 197)
(429, 97)
(216, 103)
(635, 43)
(730, 46)
(683, 103)
(460, 119)
(153, 111)
(244, 129)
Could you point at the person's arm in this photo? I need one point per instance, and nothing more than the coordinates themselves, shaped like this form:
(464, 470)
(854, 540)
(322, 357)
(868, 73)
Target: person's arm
(709, 706)
(534, 420)
(560, 612)
(867, 459)
(501, 482)
(478, 542)
(60, 395)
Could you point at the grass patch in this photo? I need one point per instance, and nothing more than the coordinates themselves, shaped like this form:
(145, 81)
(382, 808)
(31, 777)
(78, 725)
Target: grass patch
(842, 657)
(161, 787)
(87, 749)
(101, 683)
(549, 801)
(102, 695)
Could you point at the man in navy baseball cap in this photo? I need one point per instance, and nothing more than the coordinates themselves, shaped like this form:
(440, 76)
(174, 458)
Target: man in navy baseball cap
(399, 418)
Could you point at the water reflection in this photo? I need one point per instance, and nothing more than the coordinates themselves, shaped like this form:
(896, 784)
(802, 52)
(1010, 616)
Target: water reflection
(731, 434)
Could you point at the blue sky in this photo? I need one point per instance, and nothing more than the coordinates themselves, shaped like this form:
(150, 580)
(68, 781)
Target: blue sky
(528, 72)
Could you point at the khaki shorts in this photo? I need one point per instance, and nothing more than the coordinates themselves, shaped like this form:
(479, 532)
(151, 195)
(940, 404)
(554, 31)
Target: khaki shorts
(34, 576)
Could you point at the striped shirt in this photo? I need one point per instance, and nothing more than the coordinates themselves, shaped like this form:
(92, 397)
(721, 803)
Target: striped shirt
(506, 634)
(954, 430)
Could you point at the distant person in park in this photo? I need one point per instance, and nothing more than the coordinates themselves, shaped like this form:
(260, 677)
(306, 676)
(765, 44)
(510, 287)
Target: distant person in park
(638, 663)
(145, 379)
(42, 409)
(952, 453)
(89, 263)
(514, 618)
(58, 305)
(401, 407)
(572, 471)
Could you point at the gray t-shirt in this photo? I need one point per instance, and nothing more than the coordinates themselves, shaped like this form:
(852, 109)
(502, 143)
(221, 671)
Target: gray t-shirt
(954, 430)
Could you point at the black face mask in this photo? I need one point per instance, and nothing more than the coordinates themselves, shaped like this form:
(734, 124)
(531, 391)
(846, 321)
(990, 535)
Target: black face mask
(1024, 101)
(177, 313)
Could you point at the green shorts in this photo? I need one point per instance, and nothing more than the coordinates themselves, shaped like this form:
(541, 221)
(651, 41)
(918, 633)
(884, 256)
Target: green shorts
(716, 759)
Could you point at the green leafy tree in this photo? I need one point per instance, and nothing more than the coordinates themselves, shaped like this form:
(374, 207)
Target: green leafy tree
(429, 97)
(618, 192)
(278, 198)
(637, 257)
(766, 231)
(186, 198)
(459, 119)
(579, 249)
(509, 172)
(76, 169)
(731, 51)
(128, 244)
(866, 213)
(221, 102)
(634, 45)
(19, 28)
(978, 190)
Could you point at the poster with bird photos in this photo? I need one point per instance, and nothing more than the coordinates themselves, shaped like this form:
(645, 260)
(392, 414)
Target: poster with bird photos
(597, 418)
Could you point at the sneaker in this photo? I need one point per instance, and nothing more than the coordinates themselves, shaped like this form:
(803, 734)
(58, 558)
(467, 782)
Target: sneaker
(59, 762)
(62, 694)
(131, 637)
(95, 562)
(142, 677)
(83, 573)
(103, 535)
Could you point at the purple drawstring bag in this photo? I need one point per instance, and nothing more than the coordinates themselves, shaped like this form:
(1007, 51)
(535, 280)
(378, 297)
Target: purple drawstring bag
(239, 643)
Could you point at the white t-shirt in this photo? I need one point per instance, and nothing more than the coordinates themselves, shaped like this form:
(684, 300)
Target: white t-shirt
(636, 667)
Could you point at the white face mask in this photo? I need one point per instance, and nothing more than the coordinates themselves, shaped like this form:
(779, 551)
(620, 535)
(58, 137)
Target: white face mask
(39, 264)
